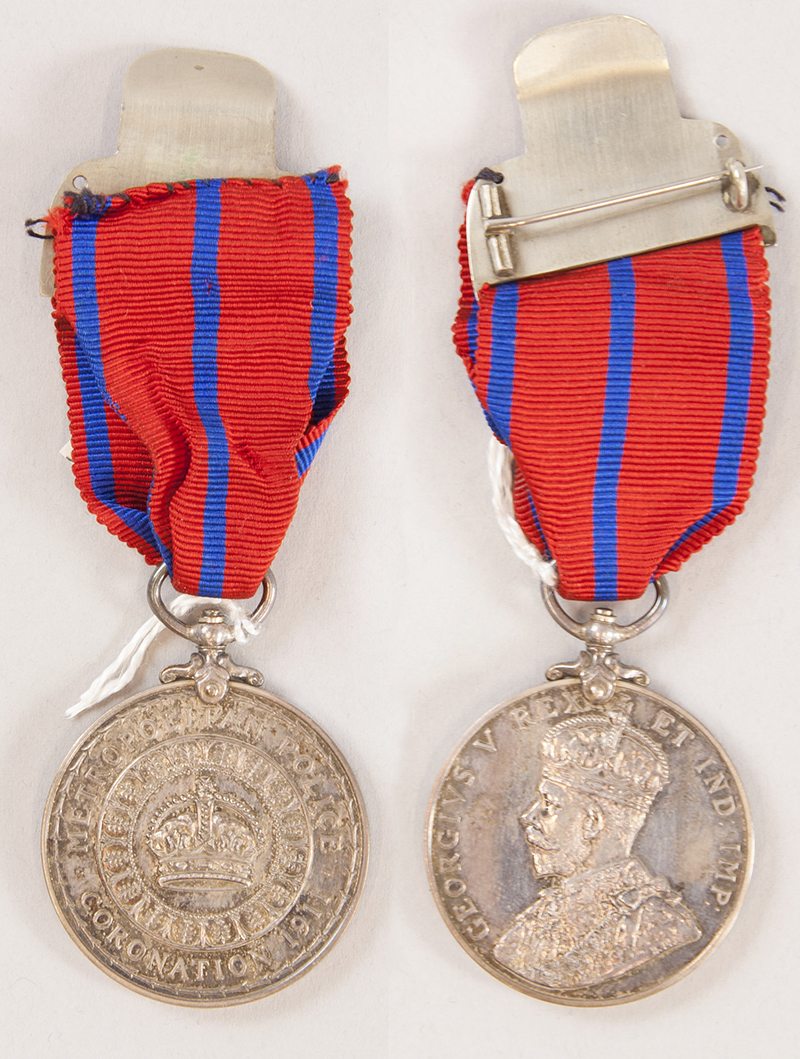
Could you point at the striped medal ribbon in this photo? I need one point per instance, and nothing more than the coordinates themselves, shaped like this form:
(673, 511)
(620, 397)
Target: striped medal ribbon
(632, 395)
(201, 328)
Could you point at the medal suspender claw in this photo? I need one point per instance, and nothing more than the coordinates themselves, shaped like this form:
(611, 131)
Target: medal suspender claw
(204, 842)
(589, 841)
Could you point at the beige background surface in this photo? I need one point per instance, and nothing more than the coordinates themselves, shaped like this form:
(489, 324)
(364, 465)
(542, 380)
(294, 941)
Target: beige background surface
(402, 614)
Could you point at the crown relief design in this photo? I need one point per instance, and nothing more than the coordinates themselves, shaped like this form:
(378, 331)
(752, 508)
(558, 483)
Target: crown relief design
(605, 754)
(206, 841)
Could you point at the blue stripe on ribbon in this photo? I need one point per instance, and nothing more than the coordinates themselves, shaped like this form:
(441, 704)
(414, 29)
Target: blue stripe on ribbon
(737, 385)
(321, 374)
(472, 330)
(91, 379)
(615, 423)
(206, 296)
(740, 361)
(84, 284)
(326, 394)
(500, 389)
(304, 457)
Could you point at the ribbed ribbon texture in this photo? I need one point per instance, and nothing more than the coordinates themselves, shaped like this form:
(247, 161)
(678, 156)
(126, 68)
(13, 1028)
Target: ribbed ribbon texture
(632, 396)
(201, 328)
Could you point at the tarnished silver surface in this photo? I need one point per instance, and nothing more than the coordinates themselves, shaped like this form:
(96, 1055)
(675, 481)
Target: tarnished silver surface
(589, 854)
(604, 138)
(204, 854)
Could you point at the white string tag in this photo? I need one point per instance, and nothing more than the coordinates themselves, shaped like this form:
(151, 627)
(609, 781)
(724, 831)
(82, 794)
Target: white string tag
(125, 666)
(501, 475)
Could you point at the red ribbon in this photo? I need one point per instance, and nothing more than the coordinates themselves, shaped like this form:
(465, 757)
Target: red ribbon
(201, 328)
(632, 395)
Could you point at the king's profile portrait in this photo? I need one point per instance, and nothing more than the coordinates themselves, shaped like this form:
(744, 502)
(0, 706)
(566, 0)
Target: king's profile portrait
(603, 913)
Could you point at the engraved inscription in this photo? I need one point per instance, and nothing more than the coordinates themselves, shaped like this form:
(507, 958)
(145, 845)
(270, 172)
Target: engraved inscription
(463, 909)
(205, 854)
(715, 780)
(666, 725)
(726, 873)
(485, 741)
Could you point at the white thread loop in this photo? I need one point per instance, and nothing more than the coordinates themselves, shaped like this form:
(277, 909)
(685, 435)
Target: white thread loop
(125, 666)
(501, 475)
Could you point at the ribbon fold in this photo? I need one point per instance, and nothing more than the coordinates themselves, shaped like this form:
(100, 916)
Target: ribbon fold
(201, 329)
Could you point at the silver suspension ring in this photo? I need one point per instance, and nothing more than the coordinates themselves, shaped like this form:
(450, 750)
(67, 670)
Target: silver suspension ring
(622, 632)
(599, 668)
(161, 611)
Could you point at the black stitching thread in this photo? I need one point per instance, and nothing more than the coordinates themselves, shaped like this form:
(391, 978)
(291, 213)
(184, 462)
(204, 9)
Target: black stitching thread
(29, 226)
(490, 174)
(778, 196)
(84, 203)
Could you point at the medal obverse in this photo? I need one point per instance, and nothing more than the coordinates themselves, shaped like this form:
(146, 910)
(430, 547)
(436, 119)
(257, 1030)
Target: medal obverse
(589, 854)
(204, 854)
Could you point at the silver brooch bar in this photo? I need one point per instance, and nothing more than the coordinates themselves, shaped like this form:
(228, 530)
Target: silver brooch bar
(610, 166)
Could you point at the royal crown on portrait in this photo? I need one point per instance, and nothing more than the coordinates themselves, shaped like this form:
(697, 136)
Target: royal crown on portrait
(605, 754)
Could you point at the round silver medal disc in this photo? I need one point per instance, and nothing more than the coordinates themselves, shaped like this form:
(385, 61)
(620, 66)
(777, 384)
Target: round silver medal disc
(589, 854)
(204, 854)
